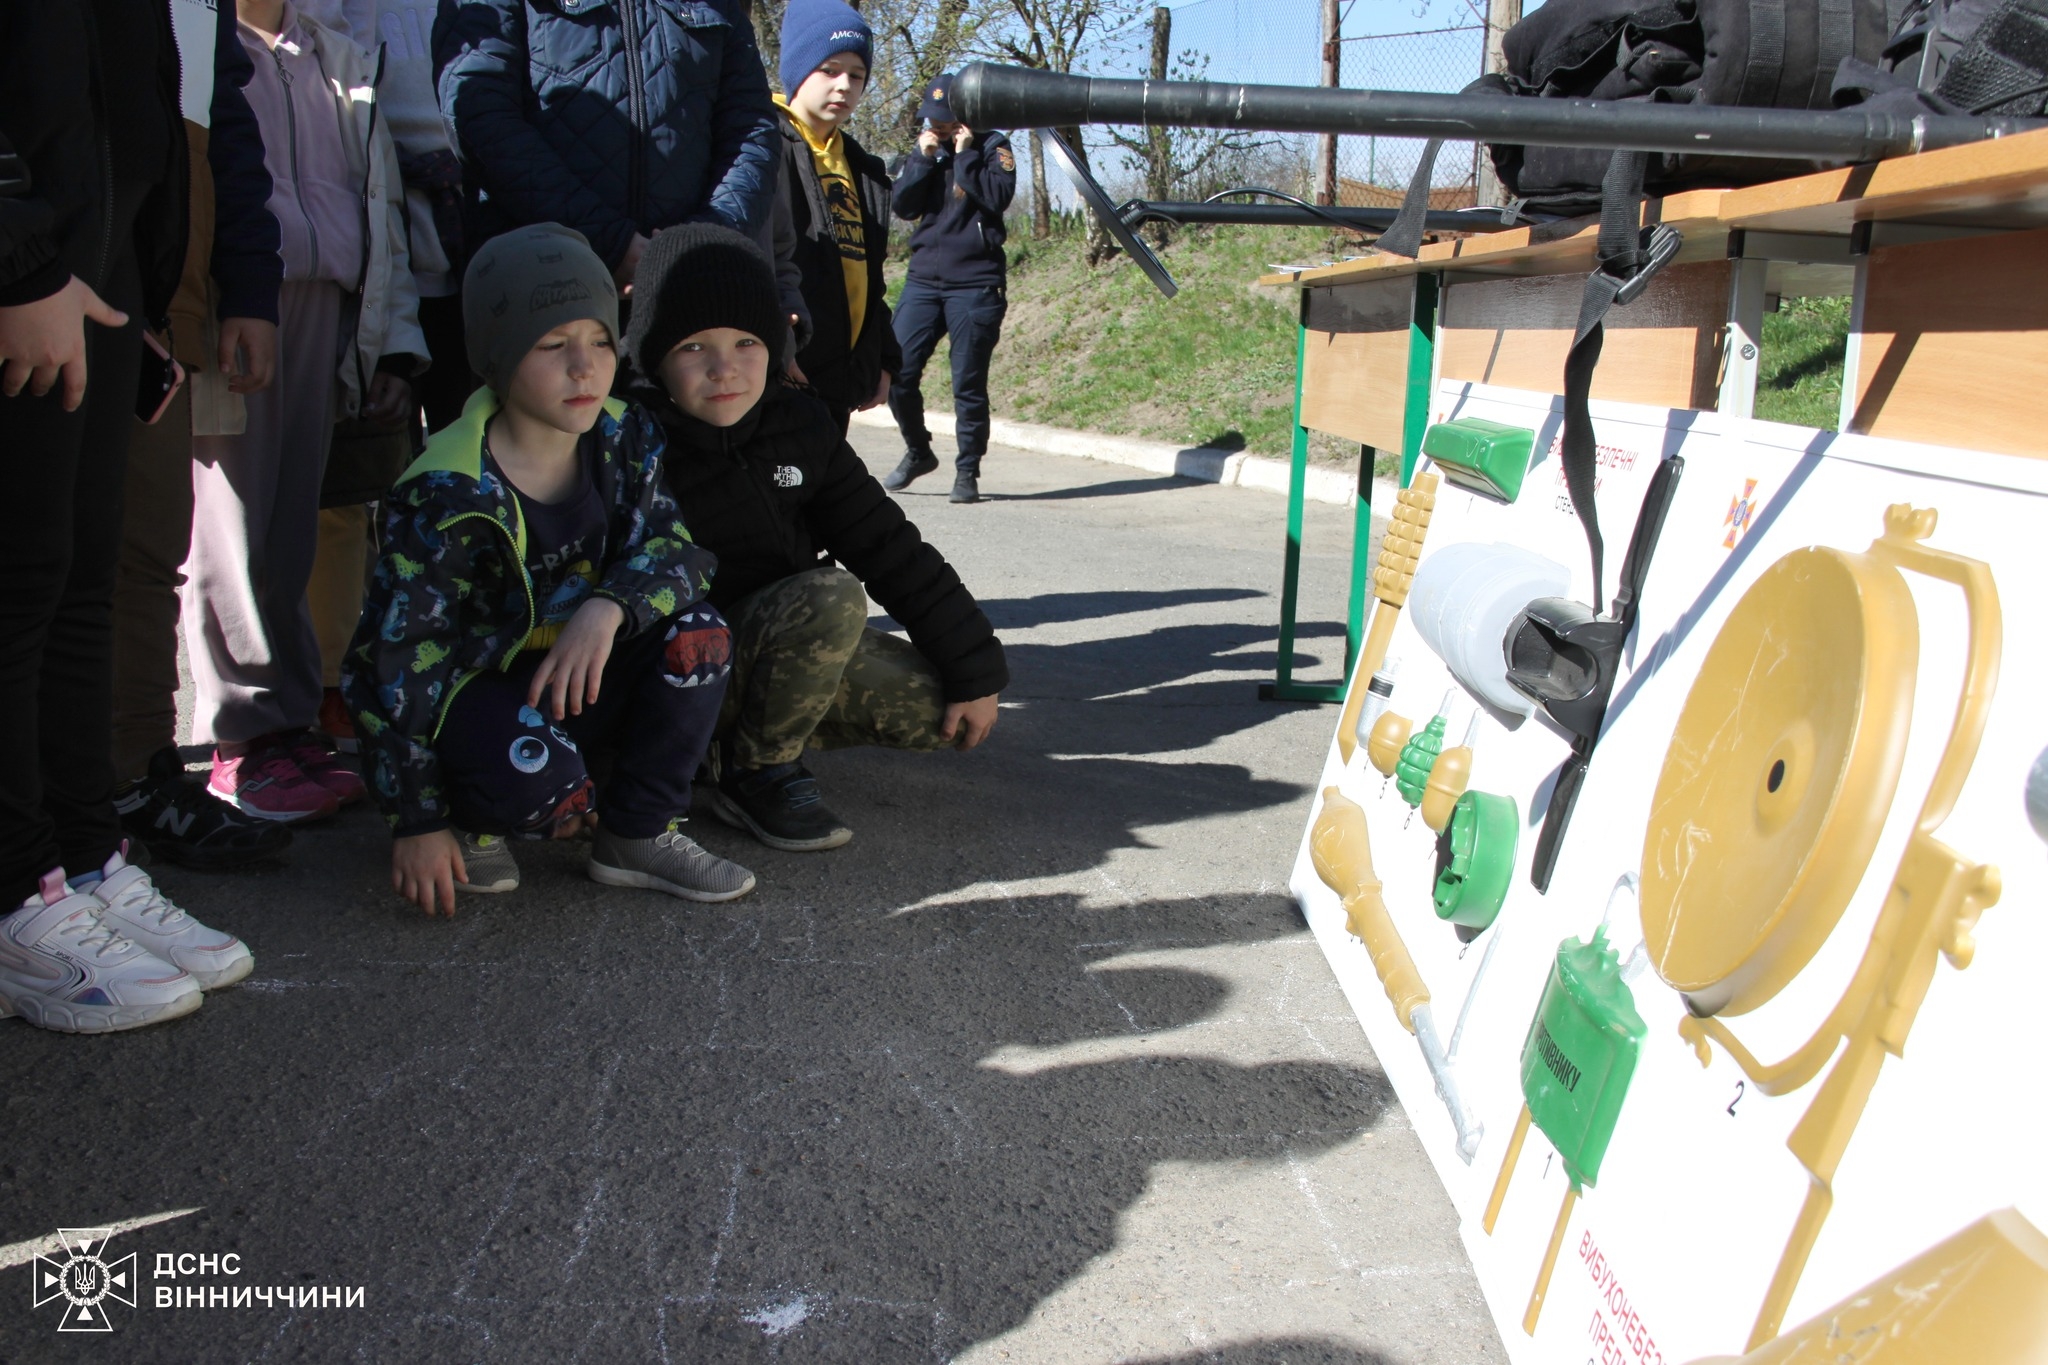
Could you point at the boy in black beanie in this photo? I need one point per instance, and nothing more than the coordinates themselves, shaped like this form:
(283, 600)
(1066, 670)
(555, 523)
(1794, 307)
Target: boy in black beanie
(537, 594)
(803, 534)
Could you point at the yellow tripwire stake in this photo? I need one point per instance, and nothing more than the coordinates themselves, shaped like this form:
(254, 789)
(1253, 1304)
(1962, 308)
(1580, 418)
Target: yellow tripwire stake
(1341, 849)
(1400, 552)
(1773, 794)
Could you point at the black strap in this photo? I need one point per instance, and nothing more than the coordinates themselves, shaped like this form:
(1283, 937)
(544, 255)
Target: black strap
(1629, 256)
(1403, 236)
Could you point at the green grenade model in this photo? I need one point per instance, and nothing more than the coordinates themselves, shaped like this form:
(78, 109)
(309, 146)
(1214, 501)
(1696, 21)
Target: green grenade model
(1418, 756)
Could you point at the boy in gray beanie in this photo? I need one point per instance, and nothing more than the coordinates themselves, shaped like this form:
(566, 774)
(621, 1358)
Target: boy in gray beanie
(538, 593)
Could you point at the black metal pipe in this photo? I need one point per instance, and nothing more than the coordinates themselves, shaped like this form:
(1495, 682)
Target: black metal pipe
(990, 96)
(1289, 215)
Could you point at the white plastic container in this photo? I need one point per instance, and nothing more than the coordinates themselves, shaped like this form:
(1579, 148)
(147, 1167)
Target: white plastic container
(1464, 599)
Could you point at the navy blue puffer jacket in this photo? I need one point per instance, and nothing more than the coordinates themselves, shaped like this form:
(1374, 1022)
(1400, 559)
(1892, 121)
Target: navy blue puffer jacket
(609, 116)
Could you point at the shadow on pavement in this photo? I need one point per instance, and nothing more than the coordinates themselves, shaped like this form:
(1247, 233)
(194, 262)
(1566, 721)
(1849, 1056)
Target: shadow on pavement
(1275, 1351)
(636, 1131)
(1020, 613)
(1114, 488)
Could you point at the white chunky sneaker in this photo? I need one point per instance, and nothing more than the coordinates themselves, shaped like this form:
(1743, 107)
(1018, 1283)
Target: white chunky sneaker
(138, 909)
(487, 858)
(671, 862)
(65, 967)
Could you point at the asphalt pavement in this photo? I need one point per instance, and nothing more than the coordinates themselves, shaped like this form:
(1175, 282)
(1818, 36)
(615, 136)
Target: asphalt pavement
(1042, 1067)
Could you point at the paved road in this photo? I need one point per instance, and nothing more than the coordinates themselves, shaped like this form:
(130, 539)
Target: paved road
(1041, 1067)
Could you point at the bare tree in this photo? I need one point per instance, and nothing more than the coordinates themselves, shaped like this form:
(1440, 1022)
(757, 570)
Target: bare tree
(1052, 35)
(1181, 162)
(915, 40)
(768, 34)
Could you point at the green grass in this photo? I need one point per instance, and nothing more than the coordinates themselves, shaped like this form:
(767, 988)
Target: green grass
(1099, 349)
(1799, 375)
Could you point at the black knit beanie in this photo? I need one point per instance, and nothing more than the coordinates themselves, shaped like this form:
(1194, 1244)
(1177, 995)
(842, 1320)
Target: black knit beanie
(697, 276)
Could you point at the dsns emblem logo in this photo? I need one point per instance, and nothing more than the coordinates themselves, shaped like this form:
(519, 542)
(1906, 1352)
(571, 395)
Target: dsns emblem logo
(84, 1279)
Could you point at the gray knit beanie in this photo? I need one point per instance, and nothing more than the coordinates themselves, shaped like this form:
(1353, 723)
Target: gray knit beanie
(523, 284)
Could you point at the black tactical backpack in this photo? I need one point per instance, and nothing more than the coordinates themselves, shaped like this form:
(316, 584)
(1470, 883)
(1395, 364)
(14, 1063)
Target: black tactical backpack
(1774, 54)
(1931, 56)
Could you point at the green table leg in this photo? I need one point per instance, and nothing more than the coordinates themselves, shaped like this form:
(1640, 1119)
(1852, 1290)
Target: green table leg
(1284, 687)
(1421, 366)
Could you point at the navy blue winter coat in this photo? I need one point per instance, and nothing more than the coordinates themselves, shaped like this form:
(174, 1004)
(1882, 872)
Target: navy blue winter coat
(957, 201)
(609, 116)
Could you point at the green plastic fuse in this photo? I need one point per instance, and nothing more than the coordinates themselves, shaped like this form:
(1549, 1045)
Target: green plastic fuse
(1489, 458)
(1576, 1067)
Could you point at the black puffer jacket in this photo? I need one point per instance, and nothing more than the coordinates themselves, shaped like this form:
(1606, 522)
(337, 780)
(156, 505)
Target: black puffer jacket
(58, 136)
(843, 369)
(779, 492)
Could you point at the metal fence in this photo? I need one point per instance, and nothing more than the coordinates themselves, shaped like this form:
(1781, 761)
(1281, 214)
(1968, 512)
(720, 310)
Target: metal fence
(1431, 45)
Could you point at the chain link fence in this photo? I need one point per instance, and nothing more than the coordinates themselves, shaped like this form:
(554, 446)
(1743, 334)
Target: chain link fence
(1429, 45)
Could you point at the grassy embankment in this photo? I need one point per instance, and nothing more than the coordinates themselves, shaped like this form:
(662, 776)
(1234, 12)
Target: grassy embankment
(1097, 349)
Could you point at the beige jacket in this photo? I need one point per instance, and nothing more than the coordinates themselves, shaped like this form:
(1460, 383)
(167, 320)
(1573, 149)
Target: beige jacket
(383, 317)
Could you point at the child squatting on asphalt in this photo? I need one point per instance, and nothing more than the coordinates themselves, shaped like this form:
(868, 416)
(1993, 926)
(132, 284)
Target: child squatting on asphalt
(538, 594)
(804, 535)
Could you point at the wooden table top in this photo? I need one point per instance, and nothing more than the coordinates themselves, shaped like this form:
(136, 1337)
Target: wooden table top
(2000, 184)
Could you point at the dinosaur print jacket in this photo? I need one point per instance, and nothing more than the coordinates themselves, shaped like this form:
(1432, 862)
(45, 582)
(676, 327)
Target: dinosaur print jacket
(451, 596)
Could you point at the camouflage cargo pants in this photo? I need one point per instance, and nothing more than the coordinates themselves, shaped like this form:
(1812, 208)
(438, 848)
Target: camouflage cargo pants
(807, 670)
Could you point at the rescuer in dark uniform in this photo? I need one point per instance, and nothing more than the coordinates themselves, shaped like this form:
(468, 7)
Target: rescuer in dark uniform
(956, 186)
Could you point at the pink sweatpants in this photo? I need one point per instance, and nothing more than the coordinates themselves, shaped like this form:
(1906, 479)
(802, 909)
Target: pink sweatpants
(255, 518)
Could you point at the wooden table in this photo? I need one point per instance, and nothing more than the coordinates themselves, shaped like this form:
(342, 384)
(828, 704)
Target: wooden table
(1945, 256)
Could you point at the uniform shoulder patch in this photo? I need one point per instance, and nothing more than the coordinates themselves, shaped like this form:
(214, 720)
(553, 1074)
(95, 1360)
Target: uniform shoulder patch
(1005, 160)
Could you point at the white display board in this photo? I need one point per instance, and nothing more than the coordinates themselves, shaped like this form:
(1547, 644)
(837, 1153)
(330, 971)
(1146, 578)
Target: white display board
(1668, 1256)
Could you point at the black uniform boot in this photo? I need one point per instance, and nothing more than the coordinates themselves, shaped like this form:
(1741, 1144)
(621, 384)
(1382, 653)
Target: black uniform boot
(966, 488)
(914, 464)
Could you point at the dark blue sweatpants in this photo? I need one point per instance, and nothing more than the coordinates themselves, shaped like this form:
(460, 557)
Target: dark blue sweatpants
(973, 316)
(511, 771)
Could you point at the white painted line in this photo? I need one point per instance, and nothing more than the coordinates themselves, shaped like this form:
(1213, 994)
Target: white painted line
(1205, 464)
(21, 1253)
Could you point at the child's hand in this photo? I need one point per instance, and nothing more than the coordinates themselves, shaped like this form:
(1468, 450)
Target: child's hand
(389, 399)
(425, 868)
(248, 353)
(575, 666)
(967, 723)
(881, 394)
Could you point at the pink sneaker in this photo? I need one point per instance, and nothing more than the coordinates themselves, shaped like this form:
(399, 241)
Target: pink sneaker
(266, 783)
(316, 758)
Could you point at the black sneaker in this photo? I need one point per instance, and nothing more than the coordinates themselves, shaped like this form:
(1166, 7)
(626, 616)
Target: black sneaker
(173, 815)
(781, 806)
(915, 464)
(966, 488)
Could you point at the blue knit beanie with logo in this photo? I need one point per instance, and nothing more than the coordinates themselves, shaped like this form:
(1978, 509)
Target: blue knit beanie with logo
(813, 30)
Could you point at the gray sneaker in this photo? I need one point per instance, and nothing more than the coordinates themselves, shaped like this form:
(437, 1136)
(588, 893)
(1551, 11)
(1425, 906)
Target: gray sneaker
(487, 858)
(671, 862)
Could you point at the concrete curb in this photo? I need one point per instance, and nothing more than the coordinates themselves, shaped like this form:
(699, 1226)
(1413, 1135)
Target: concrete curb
(1205, 463)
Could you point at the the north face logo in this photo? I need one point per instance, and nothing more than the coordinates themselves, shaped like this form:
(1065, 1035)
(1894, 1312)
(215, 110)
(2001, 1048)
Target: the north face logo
(788, 476)
(555, 293)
